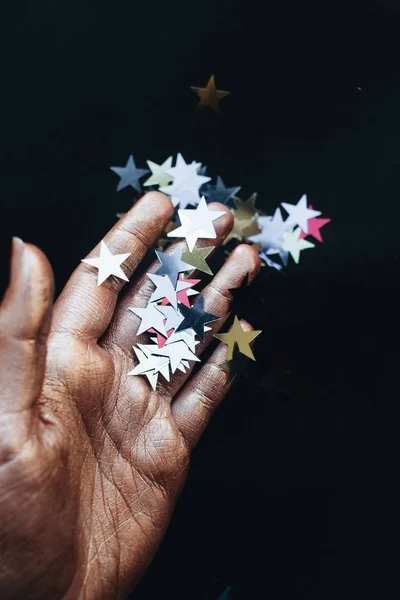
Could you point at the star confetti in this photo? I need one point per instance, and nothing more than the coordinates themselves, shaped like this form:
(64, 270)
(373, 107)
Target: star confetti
(220, 193)
(210, 96)
(158, 173)
(314, 226)
(293, 243)
(197, 258)
(172, 264)
(186, 183)
(299, 214)
(237, 336)
(107, 264)
(197, 223)
(196, 317)
(246, 209)
(129, 175)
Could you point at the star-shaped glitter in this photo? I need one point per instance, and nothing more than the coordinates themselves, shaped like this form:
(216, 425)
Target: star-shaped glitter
(269, 262)
(299, 214)
(210, 96)
(176, 352)
(197, 258)
(314, 226)
(158, 175)
(172, 265)
(197, 223)
(151, 318)
(108, 264)
(186, 184)
(129, 175)
(150, 374)
(294, 244)
(183, 294)
(272, 228)
(246, 209)
(173, 316)
(237, 231)
(196, 317)
(220, 193)
(237, 336)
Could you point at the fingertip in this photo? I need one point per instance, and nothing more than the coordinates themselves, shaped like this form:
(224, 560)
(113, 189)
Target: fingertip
(157, 202)
(248, 255)
(224, 223)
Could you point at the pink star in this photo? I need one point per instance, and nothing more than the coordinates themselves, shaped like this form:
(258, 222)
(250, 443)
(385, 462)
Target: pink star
(314, 226)
(182, 296)
(160, 338)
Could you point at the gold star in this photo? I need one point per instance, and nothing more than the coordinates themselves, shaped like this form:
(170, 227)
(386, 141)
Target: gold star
(246, 209)
(251, 228)
(197, 258)
(237, 231)
(210, 96)
(240, 337)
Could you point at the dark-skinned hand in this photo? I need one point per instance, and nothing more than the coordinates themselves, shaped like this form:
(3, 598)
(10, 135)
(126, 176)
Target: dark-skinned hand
(92, 461)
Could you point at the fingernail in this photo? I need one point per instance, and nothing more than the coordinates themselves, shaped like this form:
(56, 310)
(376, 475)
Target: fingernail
(17, 250)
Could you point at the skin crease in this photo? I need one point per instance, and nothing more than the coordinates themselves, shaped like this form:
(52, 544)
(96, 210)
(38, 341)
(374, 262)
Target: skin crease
(92, 461)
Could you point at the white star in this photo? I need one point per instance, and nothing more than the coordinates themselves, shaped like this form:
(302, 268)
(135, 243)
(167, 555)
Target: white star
(174, 317)
(160, 364)
(187, 336)
(142, 358)
(107, 264)
(158, 174)
(293, 244)
(176, 352)
(197, 223)
(151, 319)
(186, 184)
(299, 214)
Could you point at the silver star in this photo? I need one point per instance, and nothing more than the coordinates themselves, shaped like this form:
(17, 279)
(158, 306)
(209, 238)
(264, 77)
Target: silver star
(129, 175)
(107, 264)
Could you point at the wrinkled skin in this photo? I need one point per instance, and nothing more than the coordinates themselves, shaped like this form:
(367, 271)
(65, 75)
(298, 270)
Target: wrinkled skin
(92, 461)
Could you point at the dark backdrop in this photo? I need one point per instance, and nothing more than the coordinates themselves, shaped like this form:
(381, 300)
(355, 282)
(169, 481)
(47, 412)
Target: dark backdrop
(281, 498)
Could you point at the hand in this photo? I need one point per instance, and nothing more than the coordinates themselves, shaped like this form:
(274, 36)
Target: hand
(92, 461)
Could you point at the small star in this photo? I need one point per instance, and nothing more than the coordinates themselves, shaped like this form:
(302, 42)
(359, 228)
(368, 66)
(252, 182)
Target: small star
(210, 96)
(108, 264)
(197, 258)
(240, 337)
(197, 223)
(246, 209)
(299, 214)
(129, 175)
(151, 319)
(158, 175)
(294, 244)
(220, 193)
(314, 226)
(172, 265)
(196, 317)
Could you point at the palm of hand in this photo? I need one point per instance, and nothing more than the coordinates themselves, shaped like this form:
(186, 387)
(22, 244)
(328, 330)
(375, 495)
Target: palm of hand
(93, 460)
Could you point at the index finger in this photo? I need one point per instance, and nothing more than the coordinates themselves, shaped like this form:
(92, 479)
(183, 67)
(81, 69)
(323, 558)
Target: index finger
(84, 308)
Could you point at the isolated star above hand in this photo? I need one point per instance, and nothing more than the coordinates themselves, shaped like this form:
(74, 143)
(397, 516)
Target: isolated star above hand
(129, 175)
(107, 264)
(210, 96)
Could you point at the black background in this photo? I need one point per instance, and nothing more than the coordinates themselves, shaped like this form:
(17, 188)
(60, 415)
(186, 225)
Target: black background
(281, 498)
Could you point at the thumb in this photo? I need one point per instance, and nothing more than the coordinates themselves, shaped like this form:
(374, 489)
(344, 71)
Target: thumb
(25, 316)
